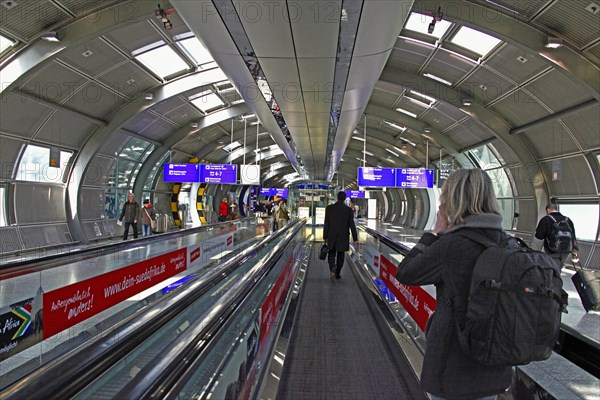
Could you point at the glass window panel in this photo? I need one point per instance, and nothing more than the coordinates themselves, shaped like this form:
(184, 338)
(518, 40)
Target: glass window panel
(134, 149)
(113, 202)
(3, 216)
(207, 101)
(5, 43)
(420, 23)
(121, 173)
(507, 209)
(585, 219)
(474, 40)
(163, 61)
(196, 50)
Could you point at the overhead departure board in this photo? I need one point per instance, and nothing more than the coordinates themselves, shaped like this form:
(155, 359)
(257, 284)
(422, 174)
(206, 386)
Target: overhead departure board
(415, 178)
(376, 177)
(280, 192)
(218, 173)
(181, 173)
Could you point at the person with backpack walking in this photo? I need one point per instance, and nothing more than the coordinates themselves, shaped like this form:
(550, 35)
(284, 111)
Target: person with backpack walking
(558, 235)
(129, 216)
(446, 259)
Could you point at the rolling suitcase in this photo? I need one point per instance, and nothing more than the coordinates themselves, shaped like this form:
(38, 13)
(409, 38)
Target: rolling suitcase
(587, 283)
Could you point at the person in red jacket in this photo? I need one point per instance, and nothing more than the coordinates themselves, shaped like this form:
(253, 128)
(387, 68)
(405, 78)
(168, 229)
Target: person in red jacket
(223, 210)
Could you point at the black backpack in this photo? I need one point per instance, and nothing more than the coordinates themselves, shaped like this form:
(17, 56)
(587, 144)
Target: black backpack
(514, 305)
(560, 239)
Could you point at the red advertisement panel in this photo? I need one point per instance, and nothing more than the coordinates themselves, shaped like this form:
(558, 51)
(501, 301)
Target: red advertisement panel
(72, 304)
(419, 304)
(272, 305)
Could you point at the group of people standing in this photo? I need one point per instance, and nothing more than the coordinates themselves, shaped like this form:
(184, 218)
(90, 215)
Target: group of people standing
(131, 213)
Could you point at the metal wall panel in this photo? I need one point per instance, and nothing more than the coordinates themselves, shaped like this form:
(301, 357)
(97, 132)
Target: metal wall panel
(29, 17)
(585, 126)
(449, 66)
(468, 133)
(9, 240)
(519, 108)
(92, 99)
(524, 179)
(550, 139)
(507, 155)
(14, 119)
(39, 203)
(585, 251)
(91, 203)
(102, 57)
(97, 171)
(506, 63)
(568, 20)
(494, 84)
(133, 36)
(66, 130)
(576, 177)
(594, 259)
(120, 80)
(44, 235)
(9, 152)
(557, 91)
(54, 83)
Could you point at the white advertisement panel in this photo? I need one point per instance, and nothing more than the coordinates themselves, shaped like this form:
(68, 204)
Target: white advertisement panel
(250, 174)
(303, 212)
(320, 216)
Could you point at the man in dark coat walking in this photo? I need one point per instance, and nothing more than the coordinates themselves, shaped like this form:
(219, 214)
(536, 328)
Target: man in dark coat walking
(339, 220)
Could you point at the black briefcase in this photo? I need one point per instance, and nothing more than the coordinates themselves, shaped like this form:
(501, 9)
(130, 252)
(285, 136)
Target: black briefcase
(323, 252)
(587, 283)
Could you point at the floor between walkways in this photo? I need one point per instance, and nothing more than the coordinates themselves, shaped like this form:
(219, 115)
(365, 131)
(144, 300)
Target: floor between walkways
(337, 348)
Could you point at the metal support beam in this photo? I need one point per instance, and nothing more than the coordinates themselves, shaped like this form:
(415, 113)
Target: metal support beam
(61, 108)
(560, 114)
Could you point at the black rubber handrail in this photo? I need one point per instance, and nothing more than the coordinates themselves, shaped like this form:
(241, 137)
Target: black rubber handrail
(46, 262)
(172, 368)
(67, 375)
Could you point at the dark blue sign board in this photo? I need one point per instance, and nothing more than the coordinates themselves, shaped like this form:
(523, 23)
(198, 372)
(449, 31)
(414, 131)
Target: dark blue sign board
(415, 178)
(218, 173)
(281, 193)
(181, 173)
(376, 177)
(355, 194)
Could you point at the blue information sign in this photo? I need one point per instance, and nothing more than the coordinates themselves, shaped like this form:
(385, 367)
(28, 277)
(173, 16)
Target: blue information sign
(416, 178)
(218, 173)
(267, 192)
(281, 193)
(355, 194)
(181, 173)
(376, 177)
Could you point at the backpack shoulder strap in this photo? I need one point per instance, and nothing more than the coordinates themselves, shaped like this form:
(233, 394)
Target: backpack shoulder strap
(552, 218)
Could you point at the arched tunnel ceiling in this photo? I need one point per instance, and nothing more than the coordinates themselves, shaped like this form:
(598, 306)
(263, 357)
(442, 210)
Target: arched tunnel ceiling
(532, 103)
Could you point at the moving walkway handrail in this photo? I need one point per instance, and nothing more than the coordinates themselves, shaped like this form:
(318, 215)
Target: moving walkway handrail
(46, 262)
(70, 373)
(174, 365)
(399, 247)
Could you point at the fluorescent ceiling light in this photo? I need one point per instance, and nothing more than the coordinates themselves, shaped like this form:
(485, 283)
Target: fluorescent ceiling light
(358, 138)
(207, 101)
(420, 23)
(50, 37)
(163, 61)
(395, 126)
(554, 43)
(249, 116)
(5, 43)
(474, 40)
(232, 146)
(264, 88)
(369, 153)
(194, 49)
(389, 151)
(502, 6)
(437, 78)
(403, 111)
(423, 96)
